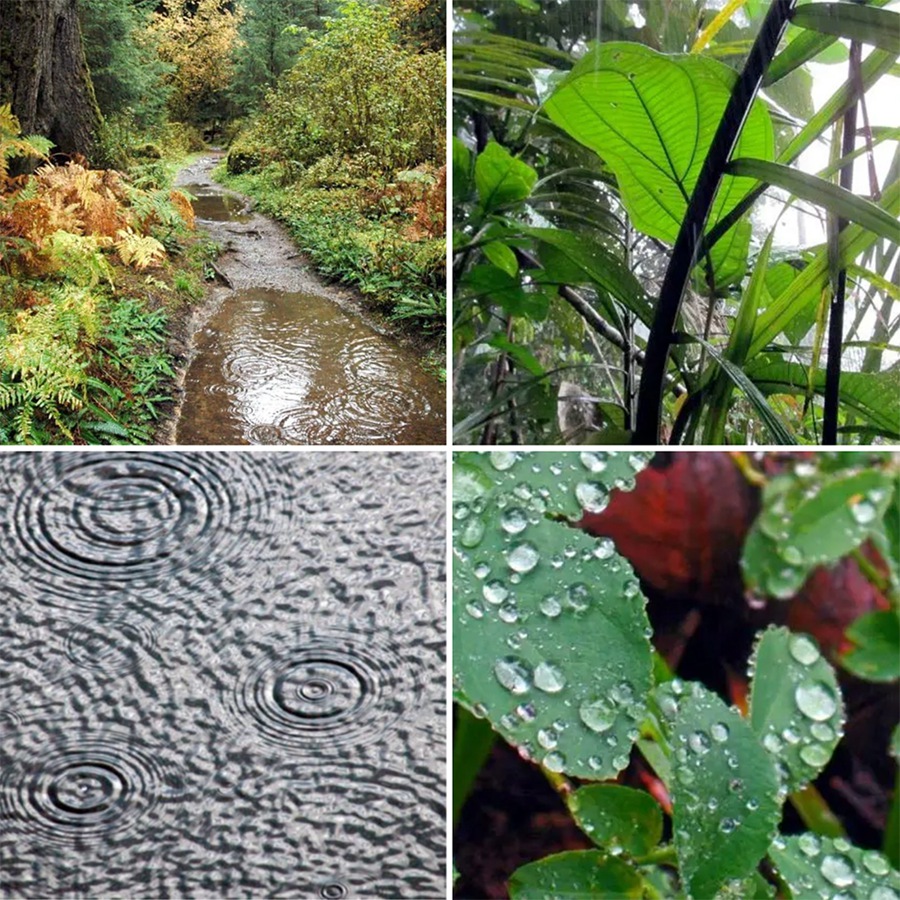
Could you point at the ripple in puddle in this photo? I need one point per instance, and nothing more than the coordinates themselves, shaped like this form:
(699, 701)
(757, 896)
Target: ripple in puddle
(88, 527)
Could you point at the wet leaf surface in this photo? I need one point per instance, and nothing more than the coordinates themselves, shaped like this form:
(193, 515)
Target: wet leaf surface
(535, 599)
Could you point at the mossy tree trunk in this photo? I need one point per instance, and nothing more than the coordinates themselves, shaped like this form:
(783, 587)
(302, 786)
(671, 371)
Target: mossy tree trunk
(43, 73)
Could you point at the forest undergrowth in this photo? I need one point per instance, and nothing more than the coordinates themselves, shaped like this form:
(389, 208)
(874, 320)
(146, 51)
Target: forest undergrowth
(347, 150)
(96, 269)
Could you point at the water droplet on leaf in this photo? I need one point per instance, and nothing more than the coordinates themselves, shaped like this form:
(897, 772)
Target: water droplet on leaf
(815, 701)
(803, 649)
(523, 557)
(549, 678)
(513, 674)
(597, 715)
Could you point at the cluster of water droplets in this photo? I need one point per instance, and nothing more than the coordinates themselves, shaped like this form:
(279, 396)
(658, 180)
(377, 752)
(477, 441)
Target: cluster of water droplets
(535, 579)
(789, 555)
(812, 726)
(833, 869)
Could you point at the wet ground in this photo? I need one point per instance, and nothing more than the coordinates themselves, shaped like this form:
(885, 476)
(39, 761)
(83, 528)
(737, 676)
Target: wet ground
(222, 675)
(283, 358)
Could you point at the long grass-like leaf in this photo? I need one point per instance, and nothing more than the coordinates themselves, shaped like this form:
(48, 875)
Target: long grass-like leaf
(738, 344)
(779, 431)
(822, 193)
(805, 288)
(866, 24)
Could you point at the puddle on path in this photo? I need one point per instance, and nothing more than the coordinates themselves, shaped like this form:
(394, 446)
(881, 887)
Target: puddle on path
(223, 675)
(216, 205)
(294, 368)
(285, 358)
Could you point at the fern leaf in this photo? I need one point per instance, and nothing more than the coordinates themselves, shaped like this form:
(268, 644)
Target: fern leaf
(139, 251)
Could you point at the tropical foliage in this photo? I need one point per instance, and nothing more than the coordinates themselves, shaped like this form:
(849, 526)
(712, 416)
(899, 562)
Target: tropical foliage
(621, 272)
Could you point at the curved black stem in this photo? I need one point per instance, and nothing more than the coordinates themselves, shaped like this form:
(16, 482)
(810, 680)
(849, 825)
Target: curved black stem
(684, 253)
(836, 318)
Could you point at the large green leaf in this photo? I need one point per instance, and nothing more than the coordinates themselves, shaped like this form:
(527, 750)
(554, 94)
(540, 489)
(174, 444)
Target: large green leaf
(796, 708)
(652, 118)
(724, 794)
(809, 521)
(576, 875)
(501, 178)
(535, 600)
(816, 866)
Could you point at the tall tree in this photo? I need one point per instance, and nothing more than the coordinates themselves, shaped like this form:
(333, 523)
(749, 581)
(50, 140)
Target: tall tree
(43, 73)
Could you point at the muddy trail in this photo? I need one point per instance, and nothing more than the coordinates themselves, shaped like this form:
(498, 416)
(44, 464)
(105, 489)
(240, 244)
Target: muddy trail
(281, 357)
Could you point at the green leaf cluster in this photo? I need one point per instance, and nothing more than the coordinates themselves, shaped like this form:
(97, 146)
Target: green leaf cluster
(551, 650)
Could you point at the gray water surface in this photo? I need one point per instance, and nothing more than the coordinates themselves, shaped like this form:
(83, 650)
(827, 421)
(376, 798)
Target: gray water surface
(222, 675)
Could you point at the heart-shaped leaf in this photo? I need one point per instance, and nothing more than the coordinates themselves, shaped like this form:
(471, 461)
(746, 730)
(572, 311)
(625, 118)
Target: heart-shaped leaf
(652, 118)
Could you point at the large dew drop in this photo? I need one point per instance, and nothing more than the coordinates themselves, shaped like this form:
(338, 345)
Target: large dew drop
(523, 557)
(514, 520)
(814, 755)
(597, 715)
(864, 512)
(502, 460)
(592, 496)
(471, 532)
(593, 462)
(549, 678)
(838, 870)
(555, 762)
(513, 674)
(815, 701)
(550, 606)
(803, 649)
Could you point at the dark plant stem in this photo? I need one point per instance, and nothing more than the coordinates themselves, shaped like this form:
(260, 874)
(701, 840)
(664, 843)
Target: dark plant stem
(501, 371)
(628, 381)
(836, 313)
(684, 253)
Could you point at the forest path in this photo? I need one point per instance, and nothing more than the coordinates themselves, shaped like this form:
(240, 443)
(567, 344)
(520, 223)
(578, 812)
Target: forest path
(281, 357)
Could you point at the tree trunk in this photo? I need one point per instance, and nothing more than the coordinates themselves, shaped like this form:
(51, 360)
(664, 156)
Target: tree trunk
(43, 73)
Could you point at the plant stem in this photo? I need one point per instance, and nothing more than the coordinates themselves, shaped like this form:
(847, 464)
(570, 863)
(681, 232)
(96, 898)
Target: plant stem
(684, 253)
(658, 856)
(742, 461)
(836, 319)
(879, 581)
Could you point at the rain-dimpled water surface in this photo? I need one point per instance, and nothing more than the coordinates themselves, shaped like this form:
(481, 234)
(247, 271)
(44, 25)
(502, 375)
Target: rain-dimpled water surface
(222, 674)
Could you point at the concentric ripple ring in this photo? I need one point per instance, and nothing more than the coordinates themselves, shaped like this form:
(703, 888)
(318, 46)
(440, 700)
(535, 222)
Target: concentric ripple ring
(84, 788)
(89, 525)
(323, 688)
